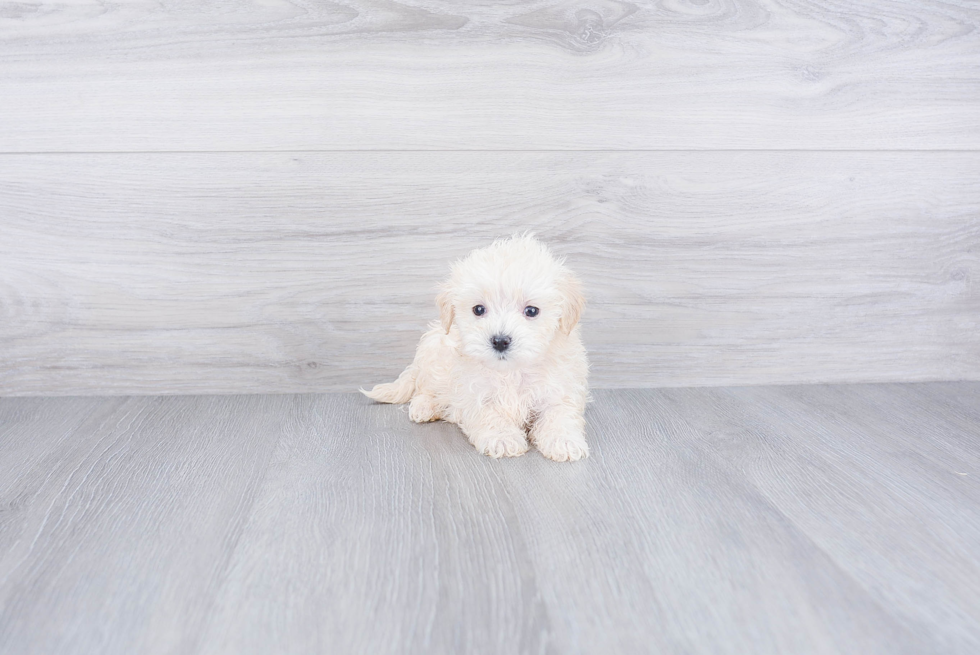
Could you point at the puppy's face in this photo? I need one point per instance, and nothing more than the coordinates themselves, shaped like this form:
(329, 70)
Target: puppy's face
(509, 301)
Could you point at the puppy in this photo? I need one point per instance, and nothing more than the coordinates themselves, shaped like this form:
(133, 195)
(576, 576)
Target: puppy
(505, 362)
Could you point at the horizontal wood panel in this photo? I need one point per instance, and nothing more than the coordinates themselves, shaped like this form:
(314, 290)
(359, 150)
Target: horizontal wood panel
(429, 74)
(187, 273)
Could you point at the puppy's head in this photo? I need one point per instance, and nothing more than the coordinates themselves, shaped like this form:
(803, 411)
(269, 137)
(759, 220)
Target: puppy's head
(509, 301)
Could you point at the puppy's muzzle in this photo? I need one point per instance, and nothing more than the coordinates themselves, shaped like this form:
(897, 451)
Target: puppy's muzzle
(500, 342)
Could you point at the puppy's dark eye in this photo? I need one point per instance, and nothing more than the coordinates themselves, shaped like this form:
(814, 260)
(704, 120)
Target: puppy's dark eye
(479, 310)
(530, 312)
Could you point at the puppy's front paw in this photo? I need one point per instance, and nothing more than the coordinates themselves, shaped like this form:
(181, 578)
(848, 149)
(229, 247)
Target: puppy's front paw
(501, 445)
(423, 409)
(561, 447)
(505, 447)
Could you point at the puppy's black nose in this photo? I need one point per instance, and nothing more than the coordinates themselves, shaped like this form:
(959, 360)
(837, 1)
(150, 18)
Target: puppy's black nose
(500, 342)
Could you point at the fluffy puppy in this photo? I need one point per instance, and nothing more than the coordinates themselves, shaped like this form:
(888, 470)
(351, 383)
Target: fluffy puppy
(505, 362)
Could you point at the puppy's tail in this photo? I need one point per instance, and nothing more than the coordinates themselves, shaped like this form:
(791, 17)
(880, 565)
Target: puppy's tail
(397, 392)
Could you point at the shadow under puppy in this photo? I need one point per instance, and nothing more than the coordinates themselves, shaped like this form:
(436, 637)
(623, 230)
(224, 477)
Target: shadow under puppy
(506, 362)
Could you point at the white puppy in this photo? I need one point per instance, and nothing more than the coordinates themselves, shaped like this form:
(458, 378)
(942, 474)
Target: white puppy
(505, 363)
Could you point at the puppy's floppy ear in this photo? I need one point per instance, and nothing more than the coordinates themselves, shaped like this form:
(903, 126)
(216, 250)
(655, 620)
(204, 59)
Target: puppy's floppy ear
(572, 302)
(446, 312)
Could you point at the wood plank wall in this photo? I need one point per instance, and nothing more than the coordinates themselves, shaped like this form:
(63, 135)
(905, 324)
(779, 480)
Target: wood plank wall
(216, 198)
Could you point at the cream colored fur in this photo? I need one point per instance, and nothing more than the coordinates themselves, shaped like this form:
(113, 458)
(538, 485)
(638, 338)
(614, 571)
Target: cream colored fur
(535, 391)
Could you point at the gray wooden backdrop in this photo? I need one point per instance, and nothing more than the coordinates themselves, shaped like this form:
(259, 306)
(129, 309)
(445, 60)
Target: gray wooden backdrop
(220, 197)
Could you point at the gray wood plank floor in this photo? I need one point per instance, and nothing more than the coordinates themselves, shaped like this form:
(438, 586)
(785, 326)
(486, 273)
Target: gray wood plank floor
(807, 519)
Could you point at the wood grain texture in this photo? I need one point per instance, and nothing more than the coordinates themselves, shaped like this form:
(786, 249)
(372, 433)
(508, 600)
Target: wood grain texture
(886, 475)
(118, 516)
(431, 74)
(220, 273)
(765, 520)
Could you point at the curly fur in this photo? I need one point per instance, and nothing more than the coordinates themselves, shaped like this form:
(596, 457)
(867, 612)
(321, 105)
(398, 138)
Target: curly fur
(532, 393)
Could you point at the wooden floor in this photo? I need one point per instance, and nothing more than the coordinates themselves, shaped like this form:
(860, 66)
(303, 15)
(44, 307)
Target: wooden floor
(730, 520)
